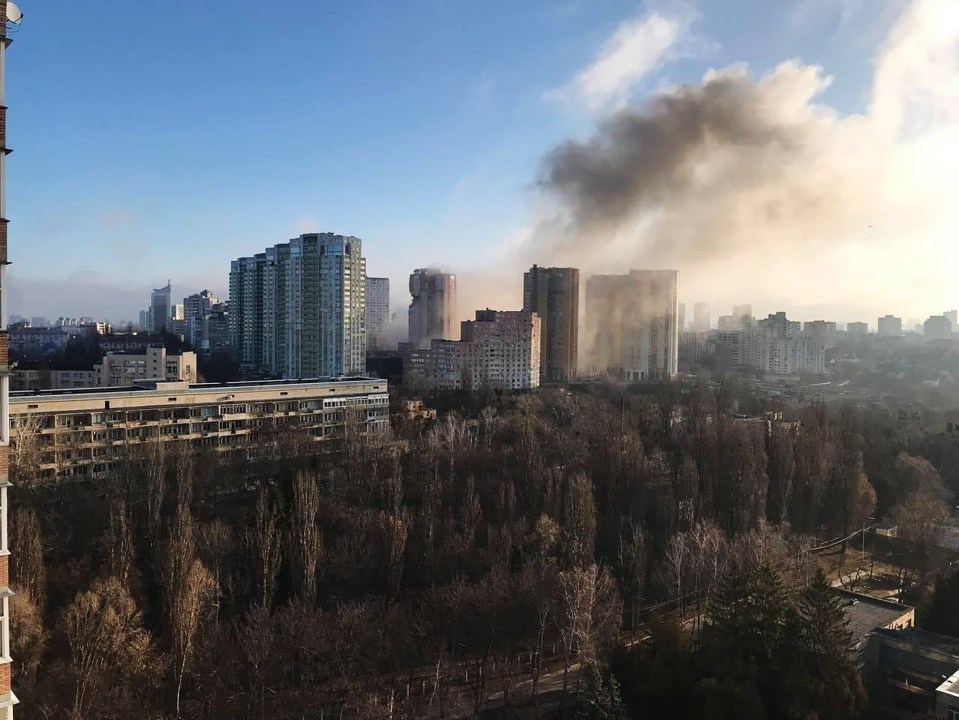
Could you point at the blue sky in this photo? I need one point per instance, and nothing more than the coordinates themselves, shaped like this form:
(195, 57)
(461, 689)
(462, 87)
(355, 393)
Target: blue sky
(159, 140)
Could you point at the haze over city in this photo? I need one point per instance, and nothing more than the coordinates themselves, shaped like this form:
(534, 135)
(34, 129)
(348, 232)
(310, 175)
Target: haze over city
(799, 157)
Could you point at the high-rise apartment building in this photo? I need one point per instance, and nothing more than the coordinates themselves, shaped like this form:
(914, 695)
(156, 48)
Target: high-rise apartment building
(499, 349)
(857, 328)
(632, 323)
(216, 330)
(937, 327)
(433, 307)
(161, 309)
(889, 326)
(196, 310)
(553, 294)
(682, 317)
(701, 317)
(953, 317)
(298, 310)
(377, 312)
(7, 697)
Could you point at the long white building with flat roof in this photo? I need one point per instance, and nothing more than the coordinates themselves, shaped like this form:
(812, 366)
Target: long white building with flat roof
(82, 433)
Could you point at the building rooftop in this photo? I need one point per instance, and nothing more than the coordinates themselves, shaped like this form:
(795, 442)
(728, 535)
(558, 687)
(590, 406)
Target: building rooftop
(951, 685)
(866, 613)
(933, 641)
(152, 385)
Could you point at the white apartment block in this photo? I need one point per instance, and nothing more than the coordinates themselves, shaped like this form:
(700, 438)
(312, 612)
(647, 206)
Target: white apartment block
(122, 370)
(499, 349)
(773, 349)
(83, 434)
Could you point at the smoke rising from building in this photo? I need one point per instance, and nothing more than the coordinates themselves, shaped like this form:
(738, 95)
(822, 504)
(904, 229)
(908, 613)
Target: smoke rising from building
(746, 182)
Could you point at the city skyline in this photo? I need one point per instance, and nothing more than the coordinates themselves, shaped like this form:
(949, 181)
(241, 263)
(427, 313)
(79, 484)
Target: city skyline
(99, 262)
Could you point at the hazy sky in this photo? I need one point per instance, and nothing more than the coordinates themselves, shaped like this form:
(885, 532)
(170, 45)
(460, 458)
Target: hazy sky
(161, 140)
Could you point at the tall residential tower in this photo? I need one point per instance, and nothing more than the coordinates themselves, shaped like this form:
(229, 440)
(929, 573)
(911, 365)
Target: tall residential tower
(298, 309)
(433, 307)
(633, 324)
(377, 312)
(553, 294)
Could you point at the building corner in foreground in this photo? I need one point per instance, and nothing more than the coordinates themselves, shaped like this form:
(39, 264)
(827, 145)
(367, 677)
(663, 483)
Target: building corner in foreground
(8, 12)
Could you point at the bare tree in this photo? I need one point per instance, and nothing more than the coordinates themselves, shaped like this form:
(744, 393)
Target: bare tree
(255, 638)
(922, 518)
(26, 449)
(395, 530)
(106, 639)
(191, 603)
(29, 570)
(591, 612)
(676, 558)
(215, 545)
(26, 625)
(580, 526)
(264, 540)
(632, 567)
(118, 543)
(306, 544)
(156, 491)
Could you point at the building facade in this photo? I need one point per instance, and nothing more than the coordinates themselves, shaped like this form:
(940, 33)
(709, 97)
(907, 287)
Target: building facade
(702, 322)
(857, 328)
(34, 378)
(196, 311)
(889, 326)
(432, 313)
(693, 346)
(82, 435)
(122, 370)
(775, 347)
(633, 324)
(553, 294)
(937, 327)
(298, 310)
(499, 349)
(7, 697)
(161, 308)
(377, 313)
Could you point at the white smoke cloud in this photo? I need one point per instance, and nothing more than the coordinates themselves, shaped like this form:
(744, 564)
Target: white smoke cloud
(638, 46)
(757, 190)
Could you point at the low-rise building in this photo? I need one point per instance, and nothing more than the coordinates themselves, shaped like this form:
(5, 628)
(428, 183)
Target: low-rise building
(82, 434)
(37, 378)
(120, 370)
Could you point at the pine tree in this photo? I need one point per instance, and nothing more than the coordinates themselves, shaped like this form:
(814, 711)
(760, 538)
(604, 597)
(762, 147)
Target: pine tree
(941, 615)
(832, 687)
(599, 699)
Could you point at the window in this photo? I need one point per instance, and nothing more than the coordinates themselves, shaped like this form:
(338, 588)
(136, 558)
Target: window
(952, 714)
(5, 627)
